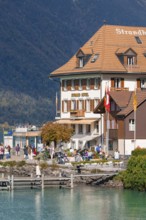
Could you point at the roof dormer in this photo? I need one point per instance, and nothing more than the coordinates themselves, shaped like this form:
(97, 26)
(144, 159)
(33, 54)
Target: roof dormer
(127, 56)
(82, 57)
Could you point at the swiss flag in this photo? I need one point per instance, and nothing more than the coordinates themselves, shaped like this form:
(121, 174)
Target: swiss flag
(107, 99)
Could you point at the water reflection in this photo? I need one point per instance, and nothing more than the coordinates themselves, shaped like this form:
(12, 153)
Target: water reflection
(80, 203)
(38, 199)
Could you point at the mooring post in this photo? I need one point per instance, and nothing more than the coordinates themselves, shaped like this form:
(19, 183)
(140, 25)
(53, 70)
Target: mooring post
(72, 181)
(42, 181)
(9, 179)
(12, 182)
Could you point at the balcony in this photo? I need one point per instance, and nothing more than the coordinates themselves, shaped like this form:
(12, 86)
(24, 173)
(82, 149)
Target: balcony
(119, 89)
(132, 68)
(113, 134)
(77, 113)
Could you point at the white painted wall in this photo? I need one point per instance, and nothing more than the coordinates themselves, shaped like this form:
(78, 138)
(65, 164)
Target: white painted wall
(8, 140)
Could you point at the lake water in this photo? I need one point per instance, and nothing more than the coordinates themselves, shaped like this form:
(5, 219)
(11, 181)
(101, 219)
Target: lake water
(80, 203)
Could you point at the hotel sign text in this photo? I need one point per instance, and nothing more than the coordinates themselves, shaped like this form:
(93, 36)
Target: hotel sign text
(122, 31)
(79, 95)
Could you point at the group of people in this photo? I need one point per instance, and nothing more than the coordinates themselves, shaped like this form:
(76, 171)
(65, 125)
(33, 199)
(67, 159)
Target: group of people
(5, 151)
(29, 152)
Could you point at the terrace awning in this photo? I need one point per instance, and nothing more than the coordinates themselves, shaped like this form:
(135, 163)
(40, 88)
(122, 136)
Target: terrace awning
(77, 121)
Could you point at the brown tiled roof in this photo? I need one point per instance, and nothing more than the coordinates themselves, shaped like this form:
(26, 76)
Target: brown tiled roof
(107, 43)
(141, 97)
(124, 99)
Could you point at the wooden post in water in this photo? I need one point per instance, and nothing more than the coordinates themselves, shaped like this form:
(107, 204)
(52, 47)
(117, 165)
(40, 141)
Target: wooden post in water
(42, 181)
(9, 179)
(71, 185)
(12, 182)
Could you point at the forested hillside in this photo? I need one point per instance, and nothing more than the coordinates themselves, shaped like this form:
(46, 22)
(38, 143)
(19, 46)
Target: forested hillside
(37, 37)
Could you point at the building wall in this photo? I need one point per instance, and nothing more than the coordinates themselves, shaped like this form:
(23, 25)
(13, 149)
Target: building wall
(140, 123)
(130, 81)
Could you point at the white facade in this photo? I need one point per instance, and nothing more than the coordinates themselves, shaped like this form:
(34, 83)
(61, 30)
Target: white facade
(82, 139)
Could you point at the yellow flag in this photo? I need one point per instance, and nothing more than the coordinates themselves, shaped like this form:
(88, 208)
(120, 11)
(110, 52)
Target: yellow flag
(134, 101)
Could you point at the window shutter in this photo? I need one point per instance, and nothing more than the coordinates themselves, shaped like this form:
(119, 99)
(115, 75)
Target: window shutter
(76, 84)
(77, 62)
(138, 83)
(92, 105)
(62, 85)
(112, 82)
(84, 84)
(62, 106)
(92, 84)
(68, 85)
(69, 105)
(122, 82)
(77, 104)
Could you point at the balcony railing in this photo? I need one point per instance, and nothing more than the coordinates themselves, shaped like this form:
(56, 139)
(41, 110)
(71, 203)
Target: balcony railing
(119, 89)
(113, 133)
(132, 68)
(77, 113)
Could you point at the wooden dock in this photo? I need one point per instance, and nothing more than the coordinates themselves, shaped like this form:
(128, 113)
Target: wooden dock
(11, 182)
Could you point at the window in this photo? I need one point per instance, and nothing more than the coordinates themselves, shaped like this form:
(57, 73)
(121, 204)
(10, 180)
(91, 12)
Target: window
(73, 104)
(65, 85)
(88, 105)
(138, 40)
(74, 128)
(96, 56)
(117, 82)
(88, 129)
(80, 129)
(112, 124)
(73, 144)
(88, 84)
(65, 106)
(96, 101)
(130, 60)
(97, 127)
(72, 85)
(80, 84)
(113, 107)
(81, 62)
(80, 144)
(96, 83)
(131, 125)
(80, 104)
(143, 83)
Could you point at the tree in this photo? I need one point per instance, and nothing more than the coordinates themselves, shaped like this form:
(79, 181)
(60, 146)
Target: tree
(55, 132)
(134, 177)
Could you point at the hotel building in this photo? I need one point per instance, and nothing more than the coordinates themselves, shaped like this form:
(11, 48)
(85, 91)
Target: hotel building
(115, 56)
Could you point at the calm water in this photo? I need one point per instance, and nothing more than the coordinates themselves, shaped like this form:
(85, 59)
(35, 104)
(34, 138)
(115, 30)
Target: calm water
(81, 203)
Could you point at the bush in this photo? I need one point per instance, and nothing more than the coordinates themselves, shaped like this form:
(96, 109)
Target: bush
(139, 151)
(135, 175)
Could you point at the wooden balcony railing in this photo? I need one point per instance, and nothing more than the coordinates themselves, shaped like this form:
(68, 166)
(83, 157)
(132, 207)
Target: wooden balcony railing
(119, 89)
(77, 113)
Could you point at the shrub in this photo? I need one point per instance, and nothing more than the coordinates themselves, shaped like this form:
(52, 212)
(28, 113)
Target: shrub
(135, 175)
(139, 151)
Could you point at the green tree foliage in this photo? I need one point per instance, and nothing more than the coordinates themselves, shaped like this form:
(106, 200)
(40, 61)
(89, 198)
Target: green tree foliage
(55, 132)
(135, 175)
(139, 151)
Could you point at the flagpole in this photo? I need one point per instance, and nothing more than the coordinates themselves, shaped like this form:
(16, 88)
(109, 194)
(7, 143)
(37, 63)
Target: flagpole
(56, 103)
(135, 108)
(107, 131)
(135, 130)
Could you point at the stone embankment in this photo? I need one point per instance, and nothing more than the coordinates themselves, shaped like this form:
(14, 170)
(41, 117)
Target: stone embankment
(100, 178)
